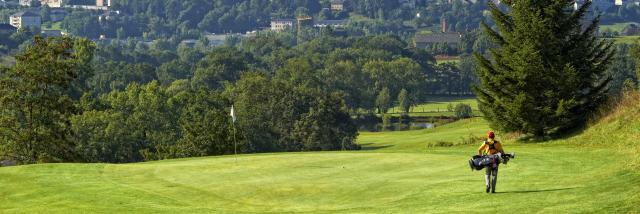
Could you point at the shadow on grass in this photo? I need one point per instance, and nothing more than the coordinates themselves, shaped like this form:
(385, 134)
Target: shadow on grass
(541, 190)
(555, 135)
(368, 147)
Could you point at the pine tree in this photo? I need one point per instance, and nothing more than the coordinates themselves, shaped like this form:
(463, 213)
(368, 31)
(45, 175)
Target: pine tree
(548, 73)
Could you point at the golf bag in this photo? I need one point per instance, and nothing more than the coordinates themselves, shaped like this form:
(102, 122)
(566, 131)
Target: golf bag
(478, 162)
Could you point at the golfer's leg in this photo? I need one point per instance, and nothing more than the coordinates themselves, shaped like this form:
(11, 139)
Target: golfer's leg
(487, 178)
(494, 179)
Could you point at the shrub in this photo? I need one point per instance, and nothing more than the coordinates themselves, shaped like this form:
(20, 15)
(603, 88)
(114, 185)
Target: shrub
(440, 144)
(386, 122)
(463, 111)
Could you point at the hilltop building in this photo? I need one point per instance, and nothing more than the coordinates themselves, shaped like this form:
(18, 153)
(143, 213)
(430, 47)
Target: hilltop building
(330, 23)
(50, 3)
(282, 24)
(103, 3)
(25, 19)
(337, 5)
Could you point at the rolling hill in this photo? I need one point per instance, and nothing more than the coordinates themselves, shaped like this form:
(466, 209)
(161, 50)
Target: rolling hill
(593, 171)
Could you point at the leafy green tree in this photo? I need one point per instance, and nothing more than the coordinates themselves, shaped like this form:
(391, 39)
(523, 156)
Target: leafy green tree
(205, 126)
(275, 115)
(622, 71)
(395, 75)
(404, 101)
(383, 101)
(36, 102)
(463, 110)
(548, 73)
(635, 53)
(220, 65)
(325, 126)
(136, 124)
(347, 79)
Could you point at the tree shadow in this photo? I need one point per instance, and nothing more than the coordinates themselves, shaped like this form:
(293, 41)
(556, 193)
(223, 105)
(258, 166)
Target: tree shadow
(541, 190)
(554, 135)
(368, 146)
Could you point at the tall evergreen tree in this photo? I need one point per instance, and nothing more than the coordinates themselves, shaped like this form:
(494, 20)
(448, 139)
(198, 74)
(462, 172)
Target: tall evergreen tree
(548, 72)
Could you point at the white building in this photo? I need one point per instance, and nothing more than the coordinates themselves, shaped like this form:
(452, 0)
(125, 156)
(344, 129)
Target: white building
(25, 19)
(103, 3)
(337, 5)
(50, 3)
(282, 24)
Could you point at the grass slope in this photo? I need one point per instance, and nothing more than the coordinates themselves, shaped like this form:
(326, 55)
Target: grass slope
(437, 106)
(417, 140)
(629, 40)
(618, 27)
(396, 174)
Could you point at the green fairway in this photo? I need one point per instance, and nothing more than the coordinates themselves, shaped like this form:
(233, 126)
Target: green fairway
(627, 40)
(395, 173)
(417, 140)
(618, 27)
(443, 61)
(437, 106)
(54, 26)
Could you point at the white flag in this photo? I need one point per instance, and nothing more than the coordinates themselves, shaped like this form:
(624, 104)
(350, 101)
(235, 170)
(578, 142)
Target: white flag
(233, 114)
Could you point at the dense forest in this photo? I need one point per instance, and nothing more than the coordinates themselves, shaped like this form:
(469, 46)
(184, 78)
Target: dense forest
(126, 104)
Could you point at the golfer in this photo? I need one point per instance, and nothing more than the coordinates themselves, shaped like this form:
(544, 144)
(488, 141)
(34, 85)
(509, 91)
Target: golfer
(491, 147)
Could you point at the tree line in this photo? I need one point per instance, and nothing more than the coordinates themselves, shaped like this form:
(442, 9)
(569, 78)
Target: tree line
(124, 102)
(50, 115)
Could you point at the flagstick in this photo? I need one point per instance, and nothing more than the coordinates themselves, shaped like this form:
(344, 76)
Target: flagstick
(235, 143)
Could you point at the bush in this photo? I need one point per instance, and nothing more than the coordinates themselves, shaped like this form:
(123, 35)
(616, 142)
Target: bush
(440, 144)
(386, 123)
(463, 111)
(471, 139)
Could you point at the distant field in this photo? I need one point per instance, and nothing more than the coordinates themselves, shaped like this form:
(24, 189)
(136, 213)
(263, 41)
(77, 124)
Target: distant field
(54, 26)
(627, 40)
(437, 106)
(410, 141)
(443, 61)
(618, 27)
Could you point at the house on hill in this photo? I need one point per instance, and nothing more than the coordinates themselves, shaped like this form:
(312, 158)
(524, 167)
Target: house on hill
(49, 3)
(330, 23)
(426, 40)
(103, 3)
(282, 24)
(337, 5)
(25, 19)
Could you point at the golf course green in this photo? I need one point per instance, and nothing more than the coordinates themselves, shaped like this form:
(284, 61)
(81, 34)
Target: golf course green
(594, 171)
